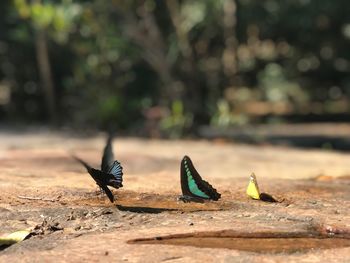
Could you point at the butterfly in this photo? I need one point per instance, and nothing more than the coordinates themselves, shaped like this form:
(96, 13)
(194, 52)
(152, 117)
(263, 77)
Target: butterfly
(111, 173)
(254, 192)
(193, 187)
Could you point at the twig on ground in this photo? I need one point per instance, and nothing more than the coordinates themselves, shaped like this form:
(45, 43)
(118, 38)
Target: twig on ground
(36, 198)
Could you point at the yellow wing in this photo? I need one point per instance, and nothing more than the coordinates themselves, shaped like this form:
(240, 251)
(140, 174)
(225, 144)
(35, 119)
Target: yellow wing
(14, 237)
(253, 188)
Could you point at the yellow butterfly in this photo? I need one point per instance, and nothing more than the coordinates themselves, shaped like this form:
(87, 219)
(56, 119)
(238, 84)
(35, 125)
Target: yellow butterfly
(253, 188)
(254, 192)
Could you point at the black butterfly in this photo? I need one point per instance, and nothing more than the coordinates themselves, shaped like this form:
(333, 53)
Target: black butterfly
(111, 172)
(193, 187)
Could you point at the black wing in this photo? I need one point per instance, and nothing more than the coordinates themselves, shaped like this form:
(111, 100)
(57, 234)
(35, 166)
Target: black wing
(108, 156)
(101, 182)
(116, 175)
(183, 177)
(203, 185)
(107, 191)
(88, 167)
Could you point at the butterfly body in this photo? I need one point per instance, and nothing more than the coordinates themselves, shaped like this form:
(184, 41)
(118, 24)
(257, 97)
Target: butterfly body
(111, 173)
(107, 178)
(193, 187)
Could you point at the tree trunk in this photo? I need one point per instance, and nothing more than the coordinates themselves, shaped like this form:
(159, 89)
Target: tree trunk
(194, 88)
(229, 59)
(44, 67)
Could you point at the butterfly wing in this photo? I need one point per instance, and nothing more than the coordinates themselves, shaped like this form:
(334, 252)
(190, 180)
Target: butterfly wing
(210, 190)
(185, 189)
(192, 183)
(107, 191)
(102, 182)
(253, 188)
(108, 156)
(116, 175)
(88, 167)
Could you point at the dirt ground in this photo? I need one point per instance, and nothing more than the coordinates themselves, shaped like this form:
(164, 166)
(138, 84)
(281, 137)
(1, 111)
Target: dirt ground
(42, 187)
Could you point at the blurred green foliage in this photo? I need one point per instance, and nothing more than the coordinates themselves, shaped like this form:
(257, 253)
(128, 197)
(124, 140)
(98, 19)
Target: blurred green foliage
(165, 67)
(177, 121)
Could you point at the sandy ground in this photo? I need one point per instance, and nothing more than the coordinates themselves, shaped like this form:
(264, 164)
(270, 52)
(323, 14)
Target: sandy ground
(42, 186)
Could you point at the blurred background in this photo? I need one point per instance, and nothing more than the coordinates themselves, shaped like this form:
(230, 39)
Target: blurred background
(175, 68)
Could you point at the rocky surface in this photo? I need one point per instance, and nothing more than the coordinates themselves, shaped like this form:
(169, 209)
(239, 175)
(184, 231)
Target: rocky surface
(44, 189)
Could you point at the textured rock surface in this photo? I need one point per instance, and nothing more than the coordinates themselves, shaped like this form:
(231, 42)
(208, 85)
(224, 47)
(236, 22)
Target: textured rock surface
(42, 185)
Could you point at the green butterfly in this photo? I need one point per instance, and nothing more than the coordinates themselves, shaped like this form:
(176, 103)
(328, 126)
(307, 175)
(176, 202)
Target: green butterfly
(193, 187)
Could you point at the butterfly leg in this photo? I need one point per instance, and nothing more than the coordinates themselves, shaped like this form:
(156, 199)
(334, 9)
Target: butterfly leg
(188, 199)
(99, 191)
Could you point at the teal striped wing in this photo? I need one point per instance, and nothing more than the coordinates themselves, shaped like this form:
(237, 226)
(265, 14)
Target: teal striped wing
(193, 185)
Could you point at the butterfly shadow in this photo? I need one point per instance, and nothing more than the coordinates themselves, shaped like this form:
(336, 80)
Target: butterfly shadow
(144, 209)
(3, 247)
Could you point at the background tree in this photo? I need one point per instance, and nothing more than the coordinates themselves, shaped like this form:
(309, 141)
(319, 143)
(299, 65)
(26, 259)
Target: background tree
(171, 66)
